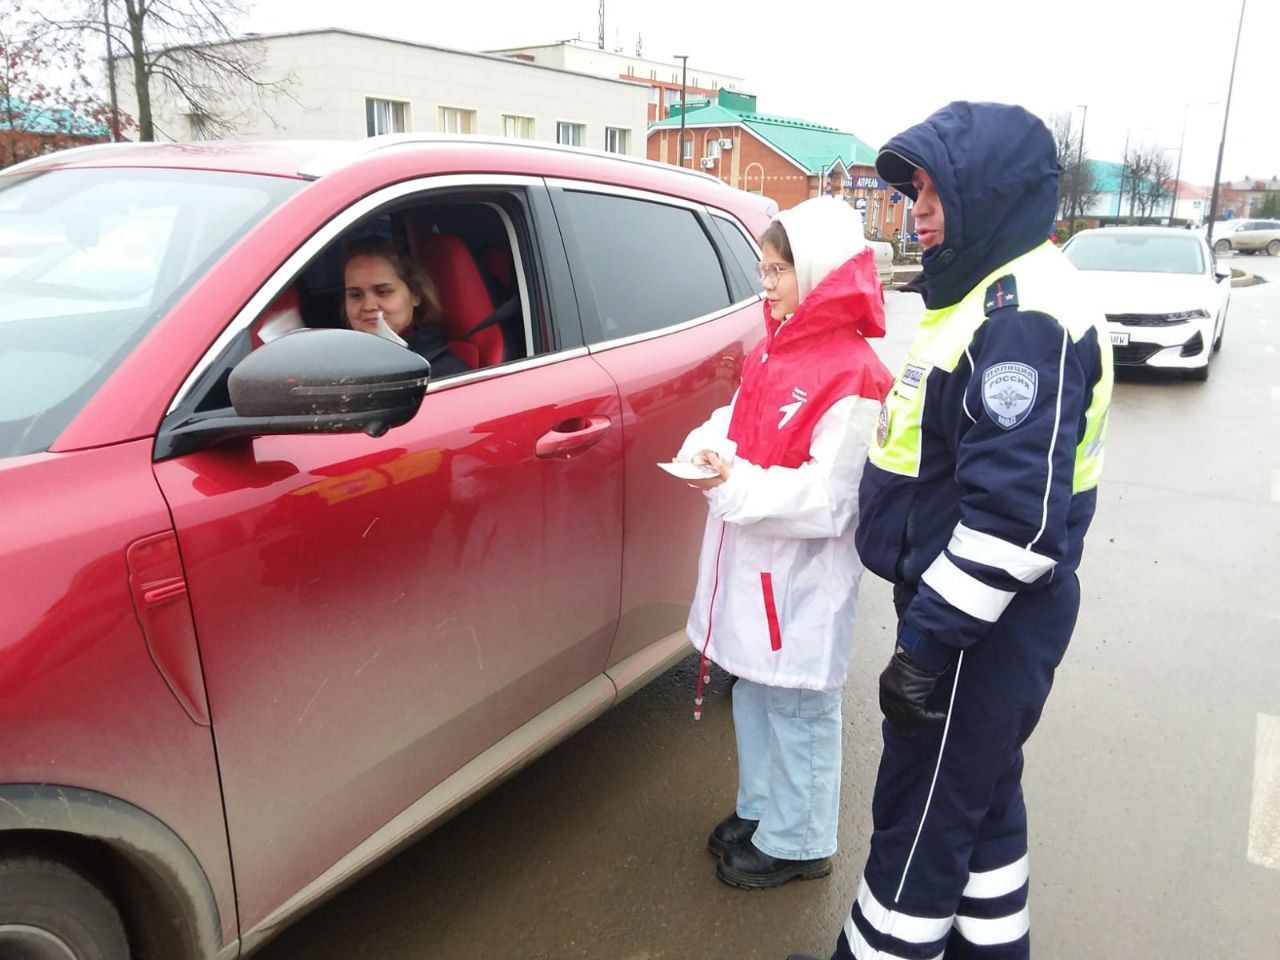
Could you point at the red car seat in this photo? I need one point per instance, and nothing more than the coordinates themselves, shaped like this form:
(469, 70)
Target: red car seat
(464, 299)
(284, 314)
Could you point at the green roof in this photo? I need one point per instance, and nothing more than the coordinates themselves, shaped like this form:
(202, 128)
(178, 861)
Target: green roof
(30, 117)
(811, 146)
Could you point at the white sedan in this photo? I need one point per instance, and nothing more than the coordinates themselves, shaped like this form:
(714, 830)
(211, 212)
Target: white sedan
(1164, 296)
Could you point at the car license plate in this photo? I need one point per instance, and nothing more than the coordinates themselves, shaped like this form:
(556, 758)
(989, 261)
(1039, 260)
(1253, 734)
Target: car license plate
(1119, 339)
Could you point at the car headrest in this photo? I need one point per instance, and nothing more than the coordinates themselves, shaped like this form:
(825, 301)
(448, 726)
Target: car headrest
(284, 315)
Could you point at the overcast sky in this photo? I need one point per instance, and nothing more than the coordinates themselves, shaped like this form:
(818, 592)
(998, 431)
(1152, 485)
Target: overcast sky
(1136, 64)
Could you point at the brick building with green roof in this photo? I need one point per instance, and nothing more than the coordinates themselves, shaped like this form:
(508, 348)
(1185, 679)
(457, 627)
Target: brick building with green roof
(783, 158)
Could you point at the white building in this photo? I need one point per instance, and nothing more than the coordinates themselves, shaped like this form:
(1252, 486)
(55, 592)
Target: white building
(346, 84)
(662, 78)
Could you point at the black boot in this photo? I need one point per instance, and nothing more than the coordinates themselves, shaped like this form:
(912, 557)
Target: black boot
(749, 867)
(730, 832)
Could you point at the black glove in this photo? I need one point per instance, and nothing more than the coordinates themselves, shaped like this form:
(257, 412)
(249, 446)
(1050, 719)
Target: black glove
(905, 686)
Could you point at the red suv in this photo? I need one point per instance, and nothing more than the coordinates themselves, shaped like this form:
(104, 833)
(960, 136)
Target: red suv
(276, 604)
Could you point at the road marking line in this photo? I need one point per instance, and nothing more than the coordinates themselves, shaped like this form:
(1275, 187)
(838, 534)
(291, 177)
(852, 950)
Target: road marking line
(1264, 813)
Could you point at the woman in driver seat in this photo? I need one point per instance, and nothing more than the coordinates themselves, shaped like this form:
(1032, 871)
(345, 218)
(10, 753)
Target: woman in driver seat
(391, 296)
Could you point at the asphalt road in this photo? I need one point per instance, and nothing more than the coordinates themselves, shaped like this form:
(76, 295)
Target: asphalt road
(1153, 781)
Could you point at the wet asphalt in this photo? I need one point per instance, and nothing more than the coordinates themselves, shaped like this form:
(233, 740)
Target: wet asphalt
(1143, 780)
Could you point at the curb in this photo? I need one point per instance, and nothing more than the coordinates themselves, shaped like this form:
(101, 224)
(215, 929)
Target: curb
(1241, 279)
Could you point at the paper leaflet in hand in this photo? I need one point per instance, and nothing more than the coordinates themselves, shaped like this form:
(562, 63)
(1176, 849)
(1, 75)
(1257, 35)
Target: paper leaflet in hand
(386, 333)
(687, 470)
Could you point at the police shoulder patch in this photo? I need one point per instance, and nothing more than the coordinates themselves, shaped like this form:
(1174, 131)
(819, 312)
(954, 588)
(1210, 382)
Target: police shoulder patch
(1002, 293)
(1009, 392)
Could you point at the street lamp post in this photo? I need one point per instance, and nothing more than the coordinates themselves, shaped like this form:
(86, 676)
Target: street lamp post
(1071, 227)
(1217, 173)
(1177, 177)
(684, 76)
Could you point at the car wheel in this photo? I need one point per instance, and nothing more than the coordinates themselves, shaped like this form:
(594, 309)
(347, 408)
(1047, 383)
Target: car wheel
(48, 911)
(1221, 246)
(1273, 248)
(1222, 330)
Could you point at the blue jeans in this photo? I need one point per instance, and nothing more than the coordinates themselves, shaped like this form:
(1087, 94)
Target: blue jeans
(788, 768)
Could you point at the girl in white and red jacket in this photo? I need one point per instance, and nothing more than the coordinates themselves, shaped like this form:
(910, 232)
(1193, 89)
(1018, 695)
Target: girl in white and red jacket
(778, 577)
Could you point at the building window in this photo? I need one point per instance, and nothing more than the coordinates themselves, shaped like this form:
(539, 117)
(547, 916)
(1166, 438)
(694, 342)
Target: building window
(455, 120)
(570, 134)
(713, 146)
(385, 116)
(617, 140)
(519, 127)
(686, 148)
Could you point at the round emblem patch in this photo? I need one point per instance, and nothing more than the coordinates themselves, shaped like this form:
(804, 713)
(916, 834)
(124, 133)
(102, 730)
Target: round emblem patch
(882, 426)
(1009, 392)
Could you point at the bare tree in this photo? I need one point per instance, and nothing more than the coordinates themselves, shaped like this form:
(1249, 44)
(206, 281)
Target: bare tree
(188, 49)
(46, 101)
(1078, 187)
(1148, 180)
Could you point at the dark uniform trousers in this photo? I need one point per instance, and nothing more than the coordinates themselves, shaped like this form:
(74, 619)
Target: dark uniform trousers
(947, 872)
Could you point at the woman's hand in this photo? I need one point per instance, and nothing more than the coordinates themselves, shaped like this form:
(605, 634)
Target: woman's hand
(712, 459)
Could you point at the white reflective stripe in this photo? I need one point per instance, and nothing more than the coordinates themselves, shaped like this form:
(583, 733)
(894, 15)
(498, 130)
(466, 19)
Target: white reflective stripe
(1019, 562)
(1053, 443)
(964, 592)
(946, 730)
(903, 926)
(989, 884)
(862, 950)
(987, 933)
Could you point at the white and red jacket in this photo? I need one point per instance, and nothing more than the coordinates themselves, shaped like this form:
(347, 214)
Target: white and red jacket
(778, 575)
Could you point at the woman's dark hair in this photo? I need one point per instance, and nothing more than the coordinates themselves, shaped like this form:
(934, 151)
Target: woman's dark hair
(407, 269)
(775, 235)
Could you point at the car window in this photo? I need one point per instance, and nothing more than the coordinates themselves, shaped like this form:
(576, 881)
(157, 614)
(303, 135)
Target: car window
(742, 254)
(475, 250)
(644, 265)
(1138, 252)
(89, 261)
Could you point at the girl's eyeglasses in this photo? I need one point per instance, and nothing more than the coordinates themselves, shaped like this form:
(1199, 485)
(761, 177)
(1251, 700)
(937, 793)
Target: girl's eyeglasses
(772, 271)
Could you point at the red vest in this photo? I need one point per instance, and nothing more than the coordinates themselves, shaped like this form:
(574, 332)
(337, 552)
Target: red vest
(803, 366)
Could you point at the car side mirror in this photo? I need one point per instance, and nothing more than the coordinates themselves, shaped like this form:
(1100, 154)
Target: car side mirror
(312, 381)
(1222, 273)
(365, 381)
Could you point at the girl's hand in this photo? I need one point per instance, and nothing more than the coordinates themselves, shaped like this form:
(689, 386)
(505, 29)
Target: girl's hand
(711, 458)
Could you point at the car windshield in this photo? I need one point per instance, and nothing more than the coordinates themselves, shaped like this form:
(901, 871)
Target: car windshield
(89, 262)
(1139, 253)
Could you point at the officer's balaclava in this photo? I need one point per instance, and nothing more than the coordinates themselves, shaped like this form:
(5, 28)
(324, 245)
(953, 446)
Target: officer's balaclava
(996, 170)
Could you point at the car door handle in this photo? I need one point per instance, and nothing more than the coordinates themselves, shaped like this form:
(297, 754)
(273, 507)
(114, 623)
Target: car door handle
(572, 436)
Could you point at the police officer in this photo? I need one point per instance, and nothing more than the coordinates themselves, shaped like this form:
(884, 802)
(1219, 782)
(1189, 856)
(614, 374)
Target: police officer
(975, 503)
